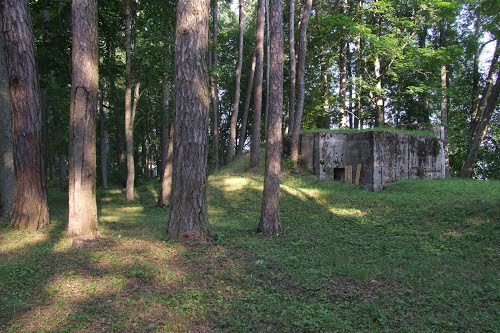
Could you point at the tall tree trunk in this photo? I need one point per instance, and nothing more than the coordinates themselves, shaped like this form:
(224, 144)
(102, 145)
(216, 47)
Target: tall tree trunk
(231, 149)
(246, 109)
(259, 73)
(118, 118)
(293, 68)
(486, 106)
(343, 74)
(350, 108)
(444, 97)
(166, 181)
(475, 73)
(29, 210)
(214, 86)
(304, 21)
(189, 214)
(379, 101)
(270, 223)
(129, 124)
(164, 123)
(44, 106)
(268, 62)
(8, 178)
(63, 173)
(82, 219)
(359, 80)
(104, 139)
(324, 121)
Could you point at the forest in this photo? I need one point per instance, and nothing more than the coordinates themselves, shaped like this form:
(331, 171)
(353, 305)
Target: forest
(152, 177)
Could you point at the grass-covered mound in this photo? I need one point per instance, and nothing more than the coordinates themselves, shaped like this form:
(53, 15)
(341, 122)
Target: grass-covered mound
(419, 256)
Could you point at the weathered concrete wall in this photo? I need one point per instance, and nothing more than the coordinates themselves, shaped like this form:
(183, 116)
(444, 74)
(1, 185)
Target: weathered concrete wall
(401, 156)
(382, 157)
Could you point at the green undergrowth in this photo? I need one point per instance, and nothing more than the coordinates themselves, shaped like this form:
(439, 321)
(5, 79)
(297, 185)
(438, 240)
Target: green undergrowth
(421, 256)
(376, 129)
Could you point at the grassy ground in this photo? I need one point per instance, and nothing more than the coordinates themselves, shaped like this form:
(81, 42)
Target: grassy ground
(421, 256)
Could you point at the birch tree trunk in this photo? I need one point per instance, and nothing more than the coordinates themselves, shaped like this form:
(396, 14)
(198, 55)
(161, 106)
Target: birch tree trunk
(189, 216)
(29, 210)
(270, 222)
(259, 73)
(231, 150)
(82, 220)
(379, 101)
(444, 97)
(304, 21)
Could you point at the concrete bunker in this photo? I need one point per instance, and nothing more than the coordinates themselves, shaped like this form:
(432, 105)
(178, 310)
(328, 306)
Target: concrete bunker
(372, 159)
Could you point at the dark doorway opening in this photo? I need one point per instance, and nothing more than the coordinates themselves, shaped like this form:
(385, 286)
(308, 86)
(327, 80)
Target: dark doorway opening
(339, 174)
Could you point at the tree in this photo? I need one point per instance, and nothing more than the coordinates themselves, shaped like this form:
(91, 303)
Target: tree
(8, 179)
(293, 68)
(84, 89)
(259, 73)
(29, 210)
(214, 86)
(246, 109)
(189, 216)
(129, 114)
(304, 21)
(270, 223)
(344, 45)
(482, 115)
(231, 150)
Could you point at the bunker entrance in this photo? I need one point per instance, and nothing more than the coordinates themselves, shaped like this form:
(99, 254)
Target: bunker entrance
(339, 174)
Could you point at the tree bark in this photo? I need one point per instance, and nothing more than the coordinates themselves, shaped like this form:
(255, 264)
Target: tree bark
(270, 222)
(359, 79)
(8, 178)
(268, 62)
(164, 123)
(104, 139)
(166, 181)
(259, 73)
(246, 109)
(189, 216)
(304, 21)
(214, 86)
(129, 124)
(487, 104)
(379, 101)
(82, 219)
(324, 120)
(343, 74)
(29, 210)
(293, 68)
(231, 150)
(444, 97)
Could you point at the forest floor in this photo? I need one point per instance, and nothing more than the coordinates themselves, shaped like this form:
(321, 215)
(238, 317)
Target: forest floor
(420, 256)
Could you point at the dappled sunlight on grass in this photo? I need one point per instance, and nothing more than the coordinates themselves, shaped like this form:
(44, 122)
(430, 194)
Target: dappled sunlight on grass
(14, 240)
(347, 212)
(347, 260)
